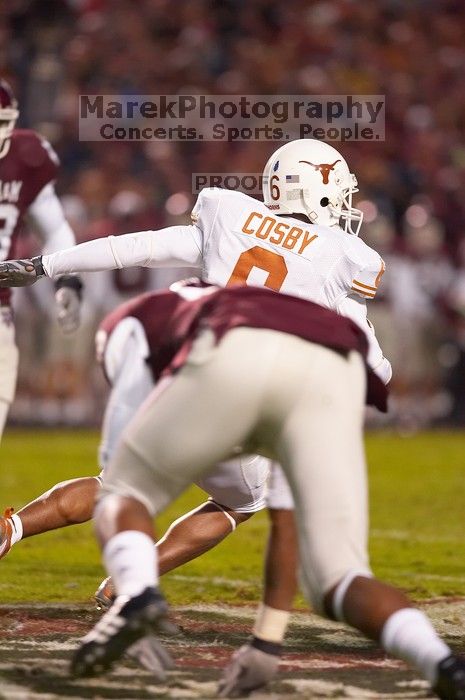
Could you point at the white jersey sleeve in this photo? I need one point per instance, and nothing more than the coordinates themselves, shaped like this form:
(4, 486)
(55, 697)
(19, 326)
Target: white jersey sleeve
(175, 246)
(354, 307)
(361, 279)
(368, 270)
(205, 212)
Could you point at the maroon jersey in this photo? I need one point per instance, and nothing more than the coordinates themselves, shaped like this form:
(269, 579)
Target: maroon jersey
(167, 319)
(28, 166)
(171, 323)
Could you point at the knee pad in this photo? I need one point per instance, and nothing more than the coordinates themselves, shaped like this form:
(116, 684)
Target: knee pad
(315, 592)
(341, 590)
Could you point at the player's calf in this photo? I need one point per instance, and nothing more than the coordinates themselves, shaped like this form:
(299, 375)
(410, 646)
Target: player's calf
(191, 535)
(385, 614)
(67, 503)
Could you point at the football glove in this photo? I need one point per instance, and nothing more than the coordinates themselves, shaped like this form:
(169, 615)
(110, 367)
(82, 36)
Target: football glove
(249, 669)
(68, 302)
(152, 656)
(21, 273)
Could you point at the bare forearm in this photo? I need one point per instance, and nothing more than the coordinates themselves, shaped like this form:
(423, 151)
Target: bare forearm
(281, 561)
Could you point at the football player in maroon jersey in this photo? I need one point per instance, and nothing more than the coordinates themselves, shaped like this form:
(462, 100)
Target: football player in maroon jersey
(170, 320)
(28, 168)
(254, 370)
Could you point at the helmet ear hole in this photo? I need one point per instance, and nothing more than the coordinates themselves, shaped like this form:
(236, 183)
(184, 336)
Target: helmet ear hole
(324, 201)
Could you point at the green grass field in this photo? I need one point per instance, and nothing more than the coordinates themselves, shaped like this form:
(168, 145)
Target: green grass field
(417, 541)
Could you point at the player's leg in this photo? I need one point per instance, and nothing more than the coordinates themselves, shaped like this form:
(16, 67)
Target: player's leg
(8, 374)
(188, 439)
(8, 365)
(195, 532)
(237, 491)
(67, 503)
(183, 430)
(328, 481)
(72, 502)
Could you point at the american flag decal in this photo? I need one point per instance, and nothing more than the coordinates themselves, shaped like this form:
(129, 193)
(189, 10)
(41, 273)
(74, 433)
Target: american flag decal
(292, 178)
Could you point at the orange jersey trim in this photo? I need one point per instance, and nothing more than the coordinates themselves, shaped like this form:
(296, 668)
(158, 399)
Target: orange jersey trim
(370, 295)
(380, 273)
(365, 286)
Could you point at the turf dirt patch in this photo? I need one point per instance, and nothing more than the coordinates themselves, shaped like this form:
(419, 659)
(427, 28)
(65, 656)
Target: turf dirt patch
(322, 660)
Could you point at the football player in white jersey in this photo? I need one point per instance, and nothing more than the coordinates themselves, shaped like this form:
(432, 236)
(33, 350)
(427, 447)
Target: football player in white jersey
(303, 240)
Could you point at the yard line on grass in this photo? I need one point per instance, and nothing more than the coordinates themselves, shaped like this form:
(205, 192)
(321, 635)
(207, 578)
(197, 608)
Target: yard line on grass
(429, 577)
(413, 537)
(216, 580)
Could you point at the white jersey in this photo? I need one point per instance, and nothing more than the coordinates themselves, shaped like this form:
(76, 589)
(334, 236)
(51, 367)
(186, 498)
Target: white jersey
(237, 240)
(244, 243)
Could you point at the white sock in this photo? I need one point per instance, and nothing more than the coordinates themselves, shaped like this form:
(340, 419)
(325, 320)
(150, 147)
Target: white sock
(130, 558)
(17, 529)
(409, 635)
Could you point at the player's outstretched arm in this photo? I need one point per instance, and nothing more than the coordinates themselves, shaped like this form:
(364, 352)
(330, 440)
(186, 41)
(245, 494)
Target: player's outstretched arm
(175, 246)
(256, 663)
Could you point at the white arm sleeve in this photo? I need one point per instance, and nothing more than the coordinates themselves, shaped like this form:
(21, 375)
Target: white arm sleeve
(48, 219)
(175, 246)
(126, 368)
(355, 308)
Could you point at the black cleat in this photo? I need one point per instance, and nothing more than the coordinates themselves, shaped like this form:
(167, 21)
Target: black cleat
(451, 679)
(126, 621)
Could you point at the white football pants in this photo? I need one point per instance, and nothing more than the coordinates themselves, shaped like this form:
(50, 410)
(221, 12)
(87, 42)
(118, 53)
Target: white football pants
(271, 393)
(239, 484)
(8, 364)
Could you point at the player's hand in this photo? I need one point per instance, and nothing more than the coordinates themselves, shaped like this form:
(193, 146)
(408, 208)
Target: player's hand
(248, 670)
(152, 656)
(68, 308)
(21, 273)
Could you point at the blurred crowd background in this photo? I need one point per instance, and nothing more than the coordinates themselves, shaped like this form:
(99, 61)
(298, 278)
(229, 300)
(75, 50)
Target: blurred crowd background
(411, 185)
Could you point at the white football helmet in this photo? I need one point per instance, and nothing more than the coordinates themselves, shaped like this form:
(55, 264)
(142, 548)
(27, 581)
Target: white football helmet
(311, 177)
(8, 115)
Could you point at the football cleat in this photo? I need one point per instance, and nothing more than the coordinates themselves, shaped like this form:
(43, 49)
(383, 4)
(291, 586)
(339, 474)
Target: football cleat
(105, 594)
(6, 532)
(451, 679)
(127, 621)
(151, 655)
